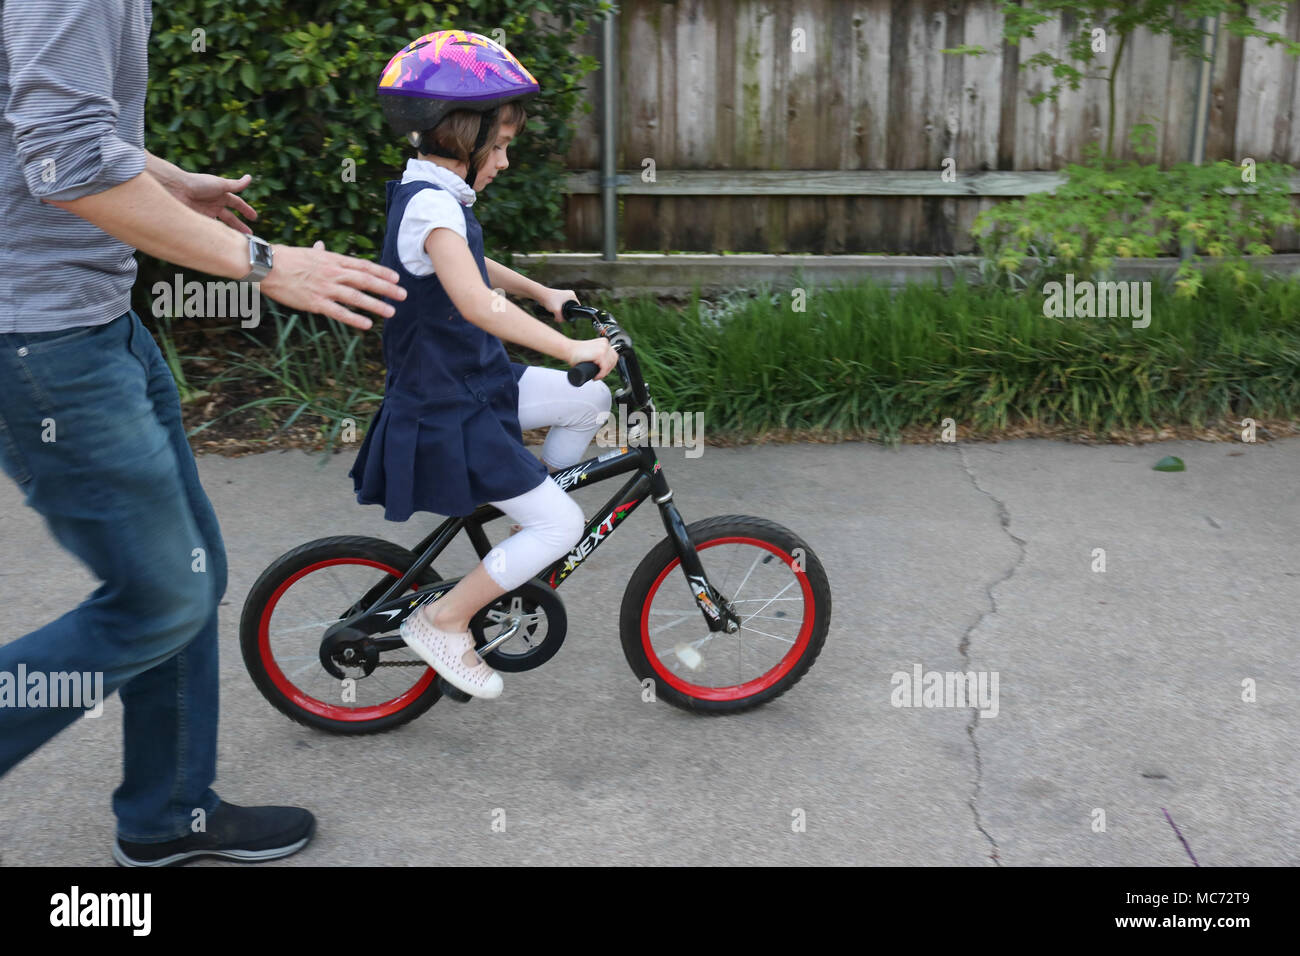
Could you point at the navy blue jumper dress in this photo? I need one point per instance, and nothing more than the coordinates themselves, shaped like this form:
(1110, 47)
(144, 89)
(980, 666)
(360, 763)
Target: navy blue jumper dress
(446, 438)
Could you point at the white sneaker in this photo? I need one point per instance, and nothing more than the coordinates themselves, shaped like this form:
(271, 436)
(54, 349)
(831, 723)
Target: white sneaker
(452, 655)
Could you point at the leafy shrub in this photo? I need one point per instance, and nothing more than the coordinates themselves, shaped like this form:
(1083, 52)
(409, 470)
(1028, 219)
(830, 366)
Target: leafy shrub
(1107, 210)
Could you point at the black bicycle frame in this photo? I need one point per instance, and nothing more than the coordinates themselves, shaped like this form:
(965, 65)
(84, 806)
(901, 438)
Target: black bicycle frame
(380, 612)
(382, 607)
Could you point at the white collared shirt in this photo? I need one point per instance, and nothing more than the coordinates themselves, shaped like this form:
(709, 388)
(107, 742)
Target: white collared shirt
(428, 210)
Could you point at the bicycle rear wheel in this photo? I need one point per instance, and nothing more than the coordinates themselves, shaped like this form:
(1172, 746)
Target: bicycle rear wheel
(772, 579)
(286, 615)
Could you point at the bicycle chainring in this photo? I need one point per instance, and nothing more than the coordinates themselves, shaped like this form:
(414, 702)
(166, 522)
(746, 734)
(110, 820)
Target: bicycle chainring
(536, 616)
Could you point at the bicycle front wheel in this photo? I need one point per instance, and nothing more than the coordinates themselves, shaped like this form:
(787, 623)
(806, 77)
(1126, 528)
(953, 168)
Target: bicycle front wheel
(775, 583)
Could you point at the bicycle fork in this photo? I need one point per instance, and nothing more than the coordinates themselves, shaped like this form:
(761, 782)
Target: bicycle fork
(718, 612)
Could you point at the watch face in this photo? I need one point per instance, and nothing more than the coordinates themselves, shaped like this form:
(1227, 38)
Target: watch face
(259, 253)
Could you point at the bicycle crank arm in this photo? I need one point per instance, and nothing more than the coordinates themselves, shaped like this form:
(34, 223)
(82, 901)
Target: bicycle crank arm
(501, 638)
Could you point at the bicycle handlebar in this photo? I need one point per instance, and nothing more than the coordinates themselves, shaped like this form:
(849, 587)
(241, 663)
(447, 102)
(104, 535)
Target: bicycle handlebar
(571, 310)
(582, 373)
(628, 366)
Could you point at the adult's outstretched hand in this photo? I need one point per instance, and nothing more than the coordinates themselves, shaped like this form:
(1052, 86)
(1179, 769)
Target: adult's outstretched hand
(317, 280)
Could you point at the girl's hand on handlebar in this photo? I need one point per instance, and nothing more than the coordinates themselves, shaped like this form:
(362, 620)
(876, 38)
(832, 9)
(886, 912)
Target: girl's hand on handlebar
(596, 350)
(553, 299)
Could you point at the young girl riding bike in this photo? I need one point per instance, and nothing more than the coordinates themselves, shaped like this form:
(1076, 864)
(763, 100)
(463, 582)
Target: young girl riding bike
(447, 437)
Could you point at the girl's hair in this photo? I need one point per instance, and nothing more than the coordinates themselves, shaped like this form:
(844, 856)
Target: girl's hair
(458, 130)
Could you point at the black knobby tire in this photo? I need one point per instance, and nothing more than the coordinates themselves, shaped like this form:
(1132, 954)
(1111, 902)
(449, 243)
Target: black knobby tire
(260, 604)
(662, 566)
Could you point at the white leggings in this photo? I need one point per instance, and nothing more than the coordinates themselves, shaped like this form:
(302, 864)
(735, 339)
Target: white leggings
(551, 521)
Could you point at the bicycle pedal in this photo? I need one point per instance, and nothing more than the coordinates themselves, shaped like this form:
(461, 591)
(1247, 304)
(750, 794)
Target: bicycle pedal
(455, 693)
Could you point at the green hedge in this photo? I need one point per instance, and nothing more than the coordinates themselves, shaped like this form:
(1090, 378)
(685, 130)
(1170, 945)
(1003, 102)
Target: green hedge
(855, 361)
(875, 360)
(288, 95)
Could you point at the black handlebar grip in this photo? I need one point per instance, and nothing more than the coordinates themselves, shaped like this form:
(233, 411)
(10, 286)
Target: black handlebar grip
(566, 309)
(582, 373)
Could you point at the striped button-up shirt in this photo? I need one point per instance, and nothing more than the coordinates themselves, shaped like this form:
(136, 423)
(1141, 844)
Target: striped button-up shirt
(73, 77)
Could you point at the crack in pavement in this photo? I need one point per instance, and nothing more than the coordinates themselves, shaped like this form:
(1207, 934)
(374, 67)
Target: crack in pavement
(1004, 518)
(1181, 838)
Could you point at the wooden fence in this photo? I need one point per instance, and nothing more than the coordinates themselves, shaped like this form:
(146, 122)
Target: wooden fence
(852, 103)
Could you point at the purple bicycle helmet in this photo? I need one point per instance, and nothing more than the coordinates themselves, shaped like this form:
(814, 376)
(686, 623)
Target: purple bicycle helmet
(451, 70)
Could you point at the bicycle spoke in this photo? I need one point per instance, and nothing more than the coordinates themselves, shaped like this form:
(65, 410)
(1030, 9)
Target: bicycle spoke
(698, 662)
(384, 685)
(665, 627)
(699, 642)
(757, 558)
(322, 625)
(334, 574)
(727, 577)
(313, 680)
(783, 640)
(778, 594)
(305, 667)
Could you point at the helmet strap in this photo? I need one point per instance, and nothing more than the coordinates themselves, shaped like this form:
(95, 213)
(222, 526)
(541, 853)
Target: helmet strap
(433, 149)
(484, 125)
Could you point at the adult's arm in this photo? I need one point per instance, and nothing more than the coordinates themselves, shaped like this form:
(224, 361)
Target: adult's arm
(206, 194)
(143, 214)
(65, 136)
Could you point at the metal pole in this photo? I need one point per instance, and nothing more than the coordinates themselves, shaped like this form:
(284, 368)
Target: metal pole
(1209, 42)
(608, 171)
(1201, 121)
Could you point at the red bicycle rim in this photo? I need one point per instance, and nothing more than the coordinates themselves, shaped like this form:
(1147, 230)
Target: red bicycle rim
(307, 702)
(758, 684)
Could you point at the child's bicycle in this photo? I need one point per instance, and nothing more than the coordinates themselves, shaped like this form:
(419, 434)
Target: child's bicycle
(747, 624)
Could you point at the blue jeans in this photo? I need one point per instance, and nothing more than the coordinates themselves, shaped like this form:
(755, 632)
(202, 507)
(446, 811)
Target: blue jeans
(90, 429)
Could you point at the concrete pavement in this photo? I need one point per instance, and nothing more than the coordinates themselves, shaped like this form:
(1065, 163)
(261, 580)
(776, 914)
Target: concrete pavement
(1120, 691)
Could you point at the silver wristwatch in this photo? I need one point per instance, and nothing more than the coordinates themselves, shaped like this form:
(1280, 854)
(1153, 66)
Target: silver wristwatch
(259, 259)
